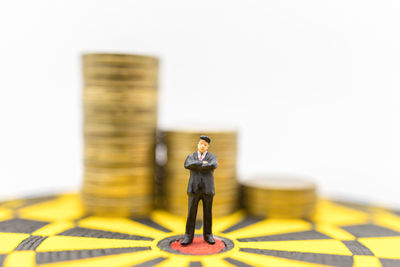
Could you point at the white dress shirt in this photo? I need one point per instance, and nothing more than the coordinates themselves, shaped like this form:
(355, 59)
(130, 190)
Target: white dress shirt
(199, 154)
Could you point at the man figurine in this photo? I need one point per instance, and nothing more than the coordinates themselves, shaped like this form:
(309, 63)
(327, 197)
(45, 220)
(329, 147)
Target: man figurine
(201, 186)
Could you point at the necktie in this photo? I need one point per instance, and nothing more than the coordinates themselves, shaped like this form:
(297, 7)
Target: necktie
(201, 157)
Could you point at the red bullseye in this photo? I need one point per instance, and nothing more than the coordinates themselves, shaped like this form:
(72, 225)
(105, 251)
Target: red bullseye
(199, 246)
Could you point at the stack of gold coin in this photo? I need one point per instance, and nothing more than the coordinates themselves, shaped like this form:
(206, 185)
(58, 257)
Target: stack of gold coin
(120, 120)
(279, 196)
(179, 144)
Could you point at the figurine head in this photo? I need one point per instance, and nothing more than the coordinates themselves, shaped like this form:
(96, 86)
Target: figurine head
(204, 141)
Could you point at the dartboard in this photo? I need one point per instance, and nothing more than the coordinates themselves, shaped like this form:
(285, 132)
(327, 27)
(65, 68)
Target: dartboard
(55, 231)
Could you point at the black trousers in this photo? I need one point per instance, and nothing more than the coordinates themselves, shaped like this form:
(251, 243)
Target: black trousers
(193, 202)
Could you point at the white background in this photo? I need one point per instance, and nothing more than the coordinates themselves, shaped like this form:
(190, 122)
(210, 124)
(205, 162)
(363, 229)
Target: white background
(312, 85)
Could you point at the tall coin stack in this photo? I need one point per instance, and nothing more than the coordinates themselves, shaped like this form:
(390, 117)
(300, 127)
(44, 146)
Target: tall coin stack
(120, 119)
(179, 144)
(280, 196)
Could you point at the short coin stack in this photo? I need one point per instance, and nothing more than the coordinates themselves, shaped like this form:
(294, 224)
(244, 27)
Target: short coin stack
(120, 119)
(179, 145)
(279, 196)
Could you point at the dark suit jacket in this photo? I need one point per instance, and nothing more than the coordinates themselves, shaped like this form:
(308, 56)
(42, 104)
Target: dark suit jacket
(201, 174)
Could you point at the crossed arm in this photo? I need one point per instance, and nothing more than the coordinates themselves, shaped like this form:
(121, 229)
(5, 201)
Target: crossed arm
(212, 164)
(195, 164)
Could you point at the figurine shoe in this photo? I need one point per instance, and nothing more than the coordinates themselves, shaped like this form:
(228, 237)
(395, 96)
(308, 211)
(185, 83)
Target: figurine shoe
(187, 240)
(209, 239)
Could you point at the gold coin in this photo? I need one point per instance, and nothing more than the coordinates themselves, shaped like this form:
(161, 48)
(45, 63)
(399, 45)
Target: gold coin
(146, 120)
(131, 149)
(121, 147)
(281, 184)
(112, 103)
(110, 158)
(145, 185)
(279, 192)
(139, 208)
(279, 195)
(305, 215)
(117, 130)
(127, 92)
(117, 156)
(122, 70)
(108, 177)
(116, 191)
(148, 141)
(135, 201)
(122, 83)
(138, 188)
(279, 203)
(280, 210)
(122, 190)
(112, 79)
(288, 200)
(104, 179)
(124, 173)
(118, 211)
(115, 164)
(127, 60)
(119, 73)
(124, 149)
(143, 101)
(96, 111)
(111, 192)
(103, 182)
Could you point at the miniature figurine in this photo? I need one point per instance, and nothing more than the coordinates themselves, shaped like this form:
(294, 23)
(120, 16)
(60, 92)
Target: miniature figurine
(201, 186)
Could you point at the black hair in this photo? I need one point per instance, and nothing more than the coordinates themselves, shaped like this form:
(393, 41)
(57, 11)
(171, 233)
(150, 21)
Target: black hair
(205, 138)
